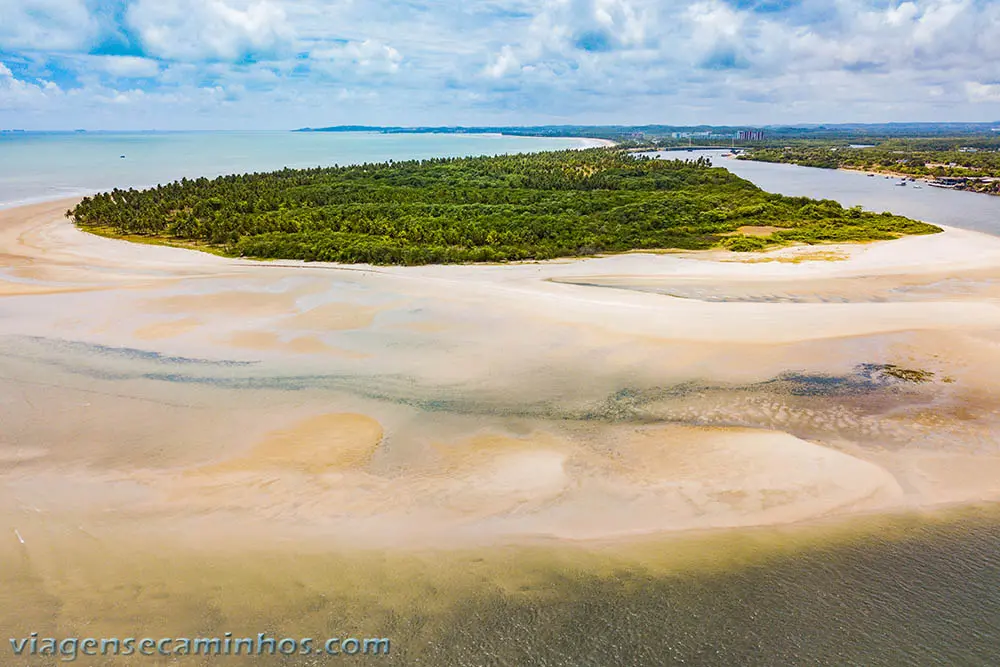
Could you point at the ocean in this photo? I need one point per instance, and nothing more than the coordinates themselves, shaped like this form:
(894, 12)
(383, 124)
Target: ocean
(40, 166)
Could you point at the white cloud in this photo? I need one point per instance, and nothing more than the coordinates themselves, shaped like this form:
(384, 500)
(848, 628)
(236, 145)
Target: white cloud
(195, 30)
(53, 25)
(597, 25)
(983, 92)
(128, 67)
(16, 94)
(370, 55)
(507, 61)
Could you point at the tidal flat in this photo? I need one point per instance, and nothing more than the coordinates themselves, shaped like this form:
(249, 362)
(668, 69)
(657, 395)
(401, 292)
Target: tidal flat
(504, 464)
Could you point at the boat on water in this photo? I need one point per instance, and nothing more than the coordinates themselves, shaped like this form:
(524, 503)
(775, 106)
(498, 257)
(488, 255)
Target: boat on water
(918, 187)
(901, 184)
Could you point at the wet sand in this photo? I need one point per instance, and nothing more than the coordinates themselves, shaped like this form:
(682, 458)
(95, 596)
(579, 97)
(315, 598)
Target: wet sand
(155, 398)
(517, 352)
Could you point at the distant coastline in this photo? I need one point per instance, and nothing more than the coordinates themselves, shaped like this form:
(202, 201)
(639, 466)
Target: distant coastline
(608, 136)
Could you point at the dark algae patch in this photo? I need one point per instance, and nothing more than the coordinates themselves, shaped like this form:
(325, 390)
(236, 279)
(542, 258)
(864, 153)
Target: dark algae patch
(877, 384)
(904, 374)
(503, 208)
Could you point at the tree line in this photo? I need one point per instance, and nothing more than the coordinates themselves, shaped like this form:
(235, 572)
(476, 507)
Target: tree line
(500, 208)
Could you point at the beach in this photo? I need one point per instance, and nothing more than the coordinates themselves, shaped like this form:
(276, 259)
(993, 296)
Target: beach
(545, 343)
(163, 403)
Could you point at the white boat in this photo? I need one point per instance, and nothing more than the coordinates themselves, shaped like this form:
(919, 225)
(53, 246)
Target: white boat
(918, 187)
(901, 184)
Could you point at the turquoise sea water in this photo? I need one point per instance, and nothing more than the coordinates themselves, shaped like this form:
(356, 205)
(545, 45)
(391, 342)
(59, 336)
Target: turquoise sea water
(41, 166)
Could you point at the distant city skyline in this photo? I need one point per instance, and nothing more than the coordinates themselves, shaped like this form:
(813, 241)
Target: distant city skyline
(283, 64)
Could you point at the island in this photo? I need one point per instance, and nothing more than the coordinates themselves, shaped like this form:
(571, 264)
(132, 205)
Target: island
(481, 209)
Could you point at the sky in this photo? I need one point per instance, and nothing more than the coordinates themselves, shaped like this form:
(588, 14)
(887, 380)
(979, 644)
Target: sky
(281, 64)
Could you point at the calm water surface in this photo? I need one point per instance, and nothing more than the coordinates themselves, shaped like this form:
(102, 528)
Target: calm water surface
(41, 166)
(904, 591)
(967, 210)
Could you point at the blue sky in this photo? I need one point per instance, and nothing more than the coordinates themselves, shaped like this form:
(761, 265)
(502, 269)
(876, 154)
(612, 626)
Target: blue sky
(275, 64)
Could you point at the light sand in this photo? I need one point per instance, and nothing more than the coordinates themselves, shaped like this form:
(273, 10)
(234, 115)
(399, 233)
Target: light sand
(333, 316)
(230, 303)
(754, 230)
(167, 329)
(315, 445)
(272, 342)
(446, 405)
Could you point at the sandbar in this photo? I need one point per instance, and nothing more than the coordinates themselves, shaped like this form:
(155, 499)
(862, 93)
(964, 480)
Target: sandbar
(592, 399)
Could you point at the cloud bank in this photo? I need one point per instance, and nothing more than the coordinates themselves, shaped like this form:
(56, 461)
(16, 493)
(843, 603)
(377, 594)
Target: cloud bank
(286, 63)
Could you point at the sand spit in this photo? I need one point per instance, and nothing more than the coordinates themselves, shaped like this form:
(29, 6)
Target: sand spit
(149, 388)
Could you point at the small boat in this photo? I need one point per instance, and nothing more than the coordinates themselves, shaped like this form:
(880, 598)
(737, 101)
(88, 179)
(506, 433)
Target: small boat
(122, 156)
(918, 187)
(901, 183)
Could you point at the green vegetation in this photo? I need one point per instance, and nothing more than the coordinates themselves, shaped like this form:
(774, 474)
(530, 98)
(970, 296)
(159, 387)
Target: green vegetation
(965, 163)
(517, 207)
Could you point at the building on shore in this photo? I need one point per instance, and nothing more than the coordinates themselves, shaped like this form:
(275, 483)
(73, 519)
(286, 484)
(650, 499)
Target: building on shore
(750, 135)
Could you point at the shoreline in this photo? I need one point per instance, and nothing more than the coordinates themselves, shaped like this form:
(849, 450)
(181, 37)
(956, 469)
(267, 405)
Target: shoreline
(600, 143)
(78, 193)
(926, 180)
(468, 480)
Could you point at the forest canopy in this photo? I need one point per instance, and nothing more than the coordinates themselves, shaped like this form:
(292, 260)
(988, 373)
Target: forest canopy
(501, 208)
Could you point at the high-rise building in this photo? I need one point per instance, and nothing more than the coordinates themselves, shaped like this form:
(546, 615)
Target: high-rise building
(750, 135)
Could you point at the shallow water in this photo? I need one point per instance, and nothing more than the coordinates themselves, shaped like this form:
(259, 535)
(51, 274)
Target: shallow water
(903, 590)
(897, 592)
